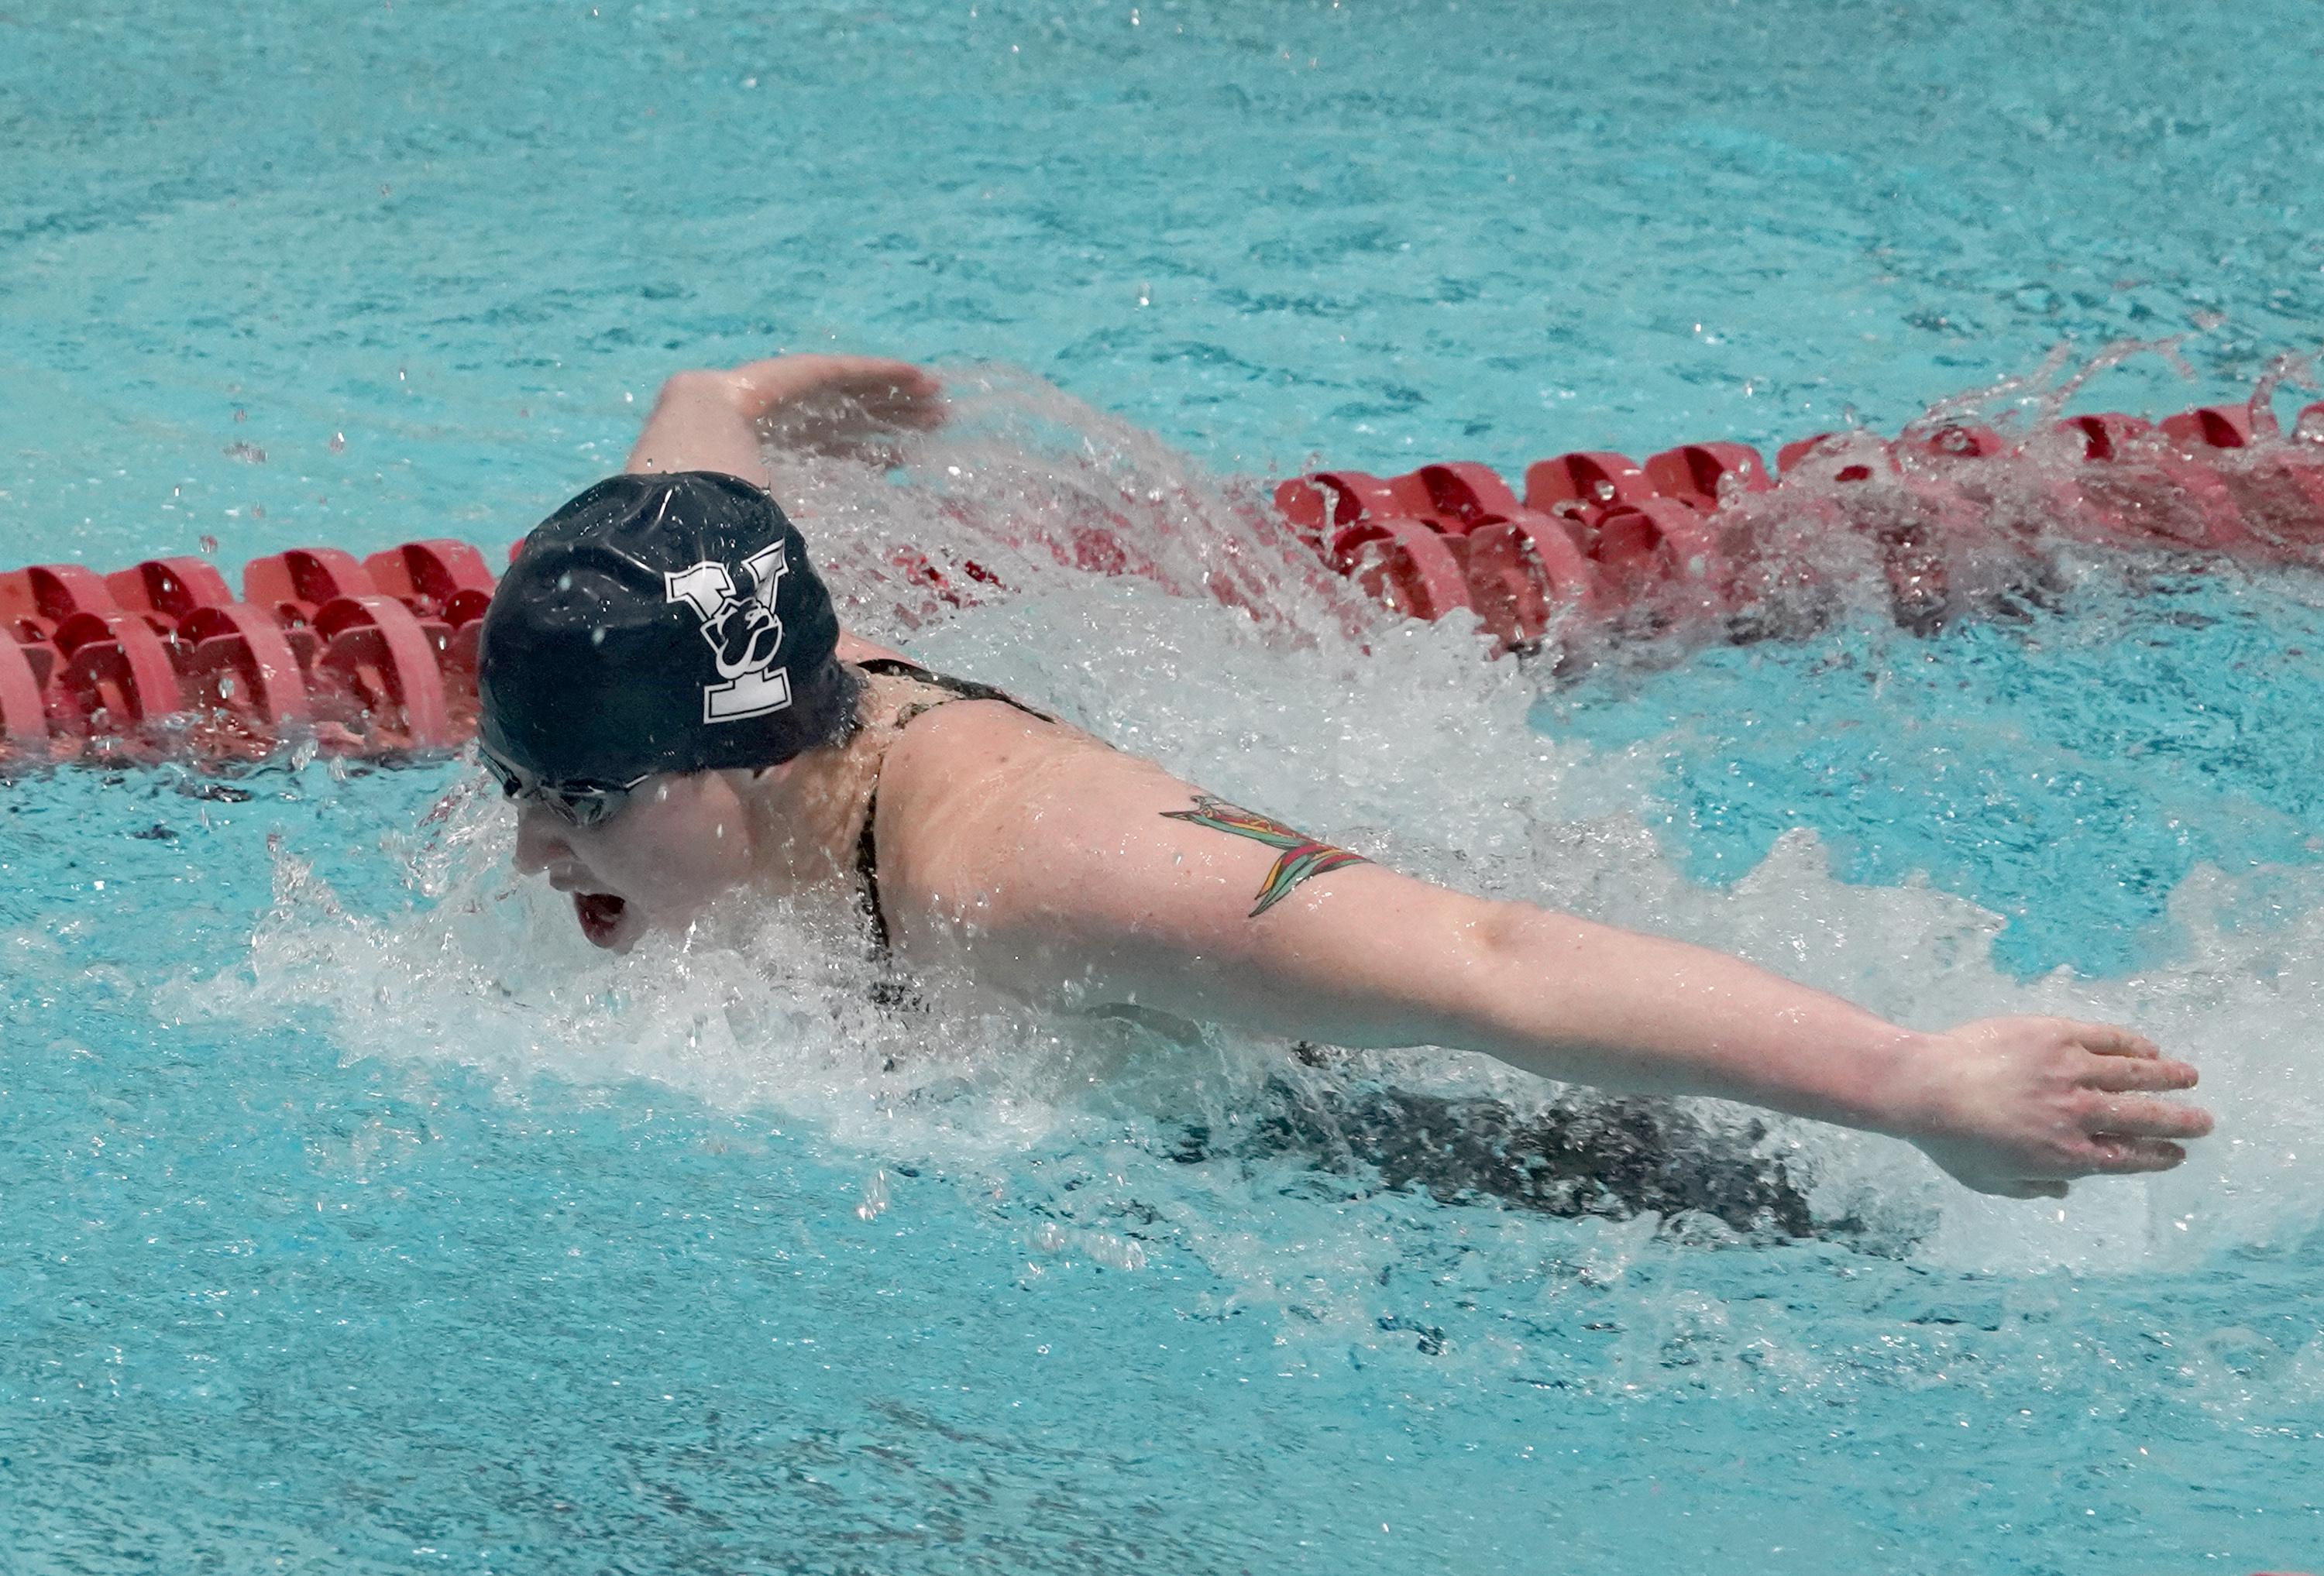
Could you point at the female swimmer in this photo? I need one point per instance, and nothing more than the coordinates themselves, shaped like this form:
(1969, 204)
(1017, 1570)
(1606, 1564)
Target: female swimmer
(668, 693)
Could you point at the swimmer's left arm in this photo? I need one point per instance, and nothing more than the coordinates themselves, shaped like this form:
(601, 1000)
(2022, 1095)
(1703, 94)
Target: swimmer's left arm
(723, 420)
(1112, 883)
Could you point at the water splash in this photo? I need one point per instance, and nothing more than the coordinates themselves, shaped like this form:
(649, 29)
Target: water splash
(1189, 628)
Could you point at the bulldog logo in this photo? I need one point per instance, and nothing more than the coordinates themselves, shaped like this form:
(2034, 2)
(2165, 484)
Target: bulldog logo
(742, 632)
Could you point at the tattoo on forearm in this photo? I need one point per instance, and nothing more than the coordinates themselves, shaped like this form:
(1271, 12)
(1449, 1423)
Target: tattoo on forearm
(1302, 857)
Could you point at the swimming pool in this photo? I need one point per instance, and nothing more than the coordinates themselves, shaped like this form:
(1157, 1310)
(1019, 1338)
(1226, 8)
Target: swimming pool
(354, 1216)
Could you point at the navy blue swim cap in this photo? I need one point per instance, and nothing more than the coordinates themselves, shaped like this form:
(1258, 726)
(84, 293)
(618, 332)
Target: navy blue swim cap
(660, 623)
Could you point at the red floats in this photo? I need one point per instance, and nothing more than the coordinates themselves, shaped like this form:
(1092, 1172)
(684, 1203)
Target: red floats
(1954, 440)
(240, 663)
(374, 657)
(33, 602)
(441, 579)
(1446, 536)
(447, 585)
(1852, 457)
(1464, 494)
(377, 657)
(1319, 505)
(377, 674)
(1585, 484)
(1525, 569)
(1404, 564)
(2137, 491)
(2219, 427)
(116, 677)
(23, 708)
(2276, 489)
(1606, 537)
(291, 585)
(1703, 475)
(1643, 547)
(168, 591)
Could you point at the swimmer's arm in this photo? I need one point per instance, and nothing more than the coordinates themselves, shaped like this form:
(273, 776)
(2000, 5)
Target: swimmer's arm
(713, 419)
(1103, 890)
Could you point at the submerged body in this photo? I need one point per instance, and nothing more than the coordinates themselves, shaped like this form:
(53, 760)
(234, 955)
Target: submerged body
(1041, 862)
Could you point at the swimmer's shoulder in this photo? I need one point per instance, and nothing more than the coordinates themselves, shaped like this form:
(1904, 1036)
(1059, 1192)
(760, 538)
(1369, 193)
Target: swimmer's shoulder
(966, 788)
(948, 745)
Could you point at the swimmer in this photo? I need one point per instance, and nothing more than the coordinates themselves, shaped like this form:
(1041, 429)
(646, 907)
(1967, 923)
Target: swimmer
(667, 696)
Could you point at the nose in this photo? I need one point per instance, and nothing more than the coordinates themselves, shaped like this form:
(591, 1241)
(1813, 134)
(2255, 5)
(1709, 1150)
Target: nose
(540, 840)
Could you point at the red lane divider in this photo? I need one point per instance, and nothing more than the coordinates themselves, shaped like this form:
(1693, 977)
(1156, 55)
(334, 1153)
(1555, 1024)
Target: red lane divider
(238, 661)
(117, 676)
(1601, 539)
(1465, 492)
(378, 664)
(168, 590)
(1524, 570)
(2140, 491)
(1661, 542)
(441, 579)
(375, 658)
(23, 710)
(1582, 486)
(2219, 427)
(293, 586)
(1403, 563)
(1703, 474)
(33, 602)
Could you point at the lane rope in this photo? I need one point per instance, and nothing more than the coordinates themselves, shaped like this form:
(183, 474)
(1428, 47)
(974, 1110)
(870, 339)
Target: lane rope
(376, 658)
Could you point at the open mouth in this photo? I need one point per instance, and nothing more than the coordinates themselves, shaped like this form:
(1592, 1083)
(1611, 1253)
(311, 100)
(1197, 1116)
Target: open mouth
(600, 914)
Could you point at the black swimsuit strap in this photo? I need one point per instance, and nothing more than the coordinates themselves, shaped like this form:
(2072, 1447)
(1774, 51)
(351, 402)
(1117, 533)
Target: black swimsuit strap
(867, 846)
(867, 872)
(954, 688)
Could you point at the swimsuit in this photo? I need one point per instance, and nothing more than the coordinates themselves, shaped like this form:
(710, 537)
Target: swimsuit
(867, 851)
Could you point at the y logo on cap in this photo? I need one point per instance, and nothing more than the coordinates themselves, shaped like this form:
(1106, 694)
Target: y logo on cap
(743, 632)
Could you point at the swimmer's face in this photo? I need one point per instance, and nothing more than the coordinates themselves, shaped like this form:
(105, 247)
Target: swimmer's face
(674, 846)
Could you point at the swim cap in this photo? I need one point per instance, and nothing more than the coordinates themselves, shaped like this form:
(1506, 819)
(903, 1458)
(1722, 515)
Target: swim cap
(660, 624)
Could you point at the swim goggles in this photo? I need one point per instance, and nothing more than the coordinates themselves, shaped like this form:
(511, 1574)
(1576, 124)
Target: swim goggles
(577, 804)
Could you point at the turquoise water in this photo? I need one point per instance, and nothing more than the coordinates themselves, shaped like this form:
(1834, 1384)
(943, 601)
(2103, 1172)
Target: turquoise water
(354, 1216)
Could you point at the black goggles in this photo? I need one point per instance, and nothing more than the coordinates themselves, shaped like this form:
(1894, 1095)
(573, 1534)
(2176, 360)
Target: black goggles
(578, 804)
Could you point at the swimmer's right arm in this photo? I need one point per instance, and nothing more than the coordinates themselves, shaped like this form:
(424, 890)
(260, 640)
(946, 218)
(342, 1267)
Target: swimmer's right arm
(721, 419)
(1110, 881)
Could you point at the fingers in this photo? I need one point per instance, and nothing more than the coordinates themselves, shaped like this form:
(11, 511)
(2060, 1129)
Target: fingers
(888, 403)
(872, 372)
(2111, 1039)
(2137, 1116)
(888, 392)
(873, 378)
(887, 395)
(2119, 1074)
(2123, 1156)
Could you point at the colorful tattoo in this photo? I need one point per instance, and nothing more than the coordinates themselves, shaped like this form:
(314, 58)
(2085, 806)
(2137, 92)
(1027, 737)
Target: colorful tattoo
(1302, 856)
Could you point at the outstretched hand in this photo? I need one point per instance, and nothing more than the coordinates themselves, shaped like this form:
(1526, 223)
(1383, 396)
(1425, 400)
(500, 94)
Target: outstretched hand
(2020, 1106)
(846, 405)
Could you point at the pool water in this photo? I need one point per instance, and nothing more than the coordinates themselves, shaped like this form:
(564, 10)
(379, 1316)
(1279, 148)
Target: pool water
(355, 1216)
